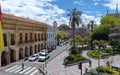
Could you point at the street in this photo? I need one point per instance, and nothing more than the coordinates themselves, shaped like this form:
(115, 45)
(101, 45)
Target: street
(31, 68)
(54, 65)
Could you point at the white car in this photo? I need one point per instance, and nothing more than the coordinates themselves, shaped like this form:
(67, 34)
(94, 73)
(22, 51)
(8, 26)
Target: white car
(43, 52)
(61, 44)
(33, 57)
(43, 57)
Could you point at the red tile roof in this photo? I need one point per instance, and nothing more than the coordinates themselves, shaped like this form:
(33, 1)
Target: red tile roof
(23, 19)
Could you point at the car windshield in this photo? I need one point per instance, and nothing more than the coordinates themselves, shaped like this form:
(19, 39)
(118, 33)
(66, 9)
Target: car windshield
(42, 54)
(42, 51)
(32, 56)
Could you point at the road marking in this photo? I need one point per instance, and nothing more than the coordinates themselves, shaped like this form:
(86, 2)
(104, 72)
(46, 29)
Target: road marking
(25, 69)
(15, 69)
(19, 70)
(30, 70)
(11, 68)
(34, 72)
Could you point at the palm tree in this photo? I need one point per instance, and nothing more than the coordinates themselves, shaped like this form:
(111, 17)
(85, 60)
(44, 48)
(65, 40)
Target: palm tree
(74, 20)
(91, 26)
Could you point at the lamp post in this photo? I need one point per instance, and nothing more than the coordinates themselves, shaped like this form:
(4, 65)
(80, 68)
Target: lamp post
(80, 67)
(99, 57)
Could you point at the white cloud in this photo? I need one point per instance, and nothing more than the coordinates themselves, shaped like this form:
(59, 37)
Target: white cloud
(95, 3)
(112, 4)
(39, 10)
(79, 2)
(86, 19)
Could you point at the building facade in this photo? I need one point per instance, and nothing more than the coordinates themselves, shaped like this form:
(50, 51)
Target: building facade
(22, 38)
(51, 38)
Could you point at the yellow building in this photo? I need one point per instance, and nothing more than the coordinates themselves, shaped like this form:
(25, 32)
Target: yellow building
(22, 38)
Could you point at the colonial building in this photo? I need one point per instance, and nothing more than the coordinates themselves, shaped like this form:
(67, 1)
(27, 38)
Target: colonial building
(22, 38)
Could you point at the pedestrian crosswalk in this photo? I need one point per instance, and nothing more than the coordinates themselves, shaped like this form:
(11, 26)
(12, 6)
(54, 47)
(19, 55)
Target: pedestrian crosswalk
(26, 71)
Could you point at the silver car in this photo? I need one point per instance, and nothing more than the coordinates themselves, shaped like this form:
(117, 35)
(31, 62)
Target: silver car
(33, 57)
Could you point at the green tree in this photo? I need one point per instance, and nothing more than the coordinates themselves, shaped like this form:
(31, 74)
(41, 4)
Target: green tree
(91, 25)
(78, 41)
(101, 43)
(62, 35)
(101, 32)
(74, 20)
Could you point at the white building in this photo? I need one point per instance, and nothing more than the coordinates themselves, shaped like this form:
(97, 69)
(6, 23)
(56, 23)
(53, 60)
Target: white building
(52, 37)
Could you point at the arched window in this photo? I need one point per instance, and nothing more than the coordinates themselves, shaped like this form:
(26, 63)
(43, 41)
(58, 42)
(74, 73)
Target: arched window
(38, 37)
(26, 40)
(12, 39)
(30, 37)
(20, 38)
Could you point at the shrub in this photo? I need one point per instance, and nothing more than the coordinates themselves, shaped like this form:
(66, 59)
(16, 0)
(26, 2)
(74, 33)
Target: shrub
(74, 50)
(111, 71)
(72, 58)
(100, 69)
(94, 54)
(107, 70)
(94, 72)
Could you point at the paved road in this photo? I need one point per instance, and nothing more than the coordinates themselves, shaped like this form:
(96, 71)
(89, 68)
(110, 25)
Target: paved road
(31, 68)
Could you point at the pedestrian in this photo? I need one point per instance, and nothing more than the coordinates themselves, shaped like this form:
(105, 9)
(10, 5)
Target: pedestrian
(65, 65)
(108, 63)
(22, 66)
(90, 63)
(86, 69)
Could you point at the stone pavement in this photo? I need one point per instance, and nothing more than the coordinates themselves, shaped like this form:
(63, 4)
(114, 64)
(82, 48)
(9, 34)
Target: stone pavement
(56, 66)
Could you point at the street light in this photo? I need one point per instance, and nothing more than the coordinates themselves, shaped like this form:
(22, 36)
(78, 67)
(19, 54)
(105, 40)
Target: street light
(80, 66)
(99, 57)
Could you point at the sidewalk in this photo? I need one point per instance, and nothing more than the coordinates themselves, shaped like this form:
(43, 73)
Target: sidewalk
(56, 67)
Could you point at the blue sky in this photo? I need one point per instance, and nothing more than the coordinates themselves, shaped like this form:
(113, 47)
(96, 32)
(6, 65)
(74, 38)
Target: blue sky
(49, 10)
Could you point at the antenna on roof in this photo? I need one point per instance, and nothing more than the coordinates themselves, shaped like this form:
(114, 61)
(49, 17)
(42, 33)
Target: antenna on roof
(116, 10)
(107, 11)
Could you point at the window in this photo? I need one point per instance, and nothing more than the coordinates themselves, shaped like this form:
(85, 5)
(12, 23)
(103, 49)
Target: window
(30, 37)
(5, 39)
(35, 37)
(38, 37)
(12, 39)
(26, 40)
(20, 38)
(41, 36)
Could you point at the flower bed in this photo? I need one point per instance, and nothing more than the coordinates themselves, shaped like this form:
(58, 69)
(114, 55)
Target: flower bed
(102, 53)
(74, 59)
(103, 71)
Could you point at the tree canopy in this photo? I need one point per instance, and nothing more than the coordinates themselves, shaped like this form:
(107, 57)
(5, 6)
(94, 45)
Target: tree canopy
(101, 32)
(62, 34)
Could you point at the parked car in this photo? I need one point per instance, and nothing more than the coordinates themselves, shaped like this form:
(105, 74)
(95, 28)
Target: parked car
(33, 57)
(43, 57)
(43, 52)
(61, 44)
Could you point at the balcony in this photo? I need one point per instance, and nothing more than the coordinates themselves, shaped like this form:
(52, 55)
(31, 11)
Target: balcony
(13, 43)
